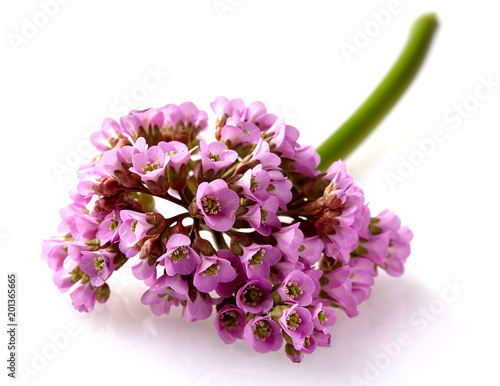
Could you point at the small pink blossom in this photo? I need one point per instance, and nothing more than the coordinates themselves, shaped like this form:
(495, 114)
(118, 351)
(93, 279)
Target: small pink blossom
(218, 204)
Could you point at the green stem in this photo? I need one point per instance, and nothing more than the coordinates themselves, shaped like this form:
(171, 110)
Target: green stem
(341, 143)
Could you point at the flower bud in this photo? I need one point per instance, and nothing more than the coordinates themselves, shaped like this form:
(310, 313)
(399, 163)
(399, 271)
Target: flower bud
(158, 187)
(104, 206)
(178, 180)
(292, 354)
(202, 246)
(219, 124)
(244, 166)
(194, 211)
(239, 241)
(333, 196)
(107, 187)
(327, 222)
(128, 179)
(314, 188)
(158, 222)
(129, 203)
(178, 228)
(102, 293)
(152, 249)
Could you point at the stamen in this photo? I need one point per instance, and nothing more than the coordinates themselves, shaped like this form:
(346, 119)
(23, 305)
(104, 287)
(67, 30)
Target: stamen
(257, 258)
(261, 330)
(263, 215)
(150, 167)
(293, 320)
(212, 270)
(252, 295)
(99, 262)
(210, 205)
(214, 157)
(180, 253)
(293, 290)
(229, 319)
(254, 185)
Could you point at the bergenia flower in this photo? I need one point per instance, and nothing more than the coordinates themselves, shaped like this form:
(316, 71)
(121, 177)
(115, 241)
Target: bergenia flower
(98, 266)
(226, 290)
(180, 258)
(296, 322)
(212, 271)
(298, 288)
(218, 204)
(257, 260)
(263, 217)
(150, 166)
(84, 297)
(165, 292)
(215, 157)
(54, 251)
(289, 239)
(176, 153)
(255, 296)
(254, 184)
(198, 309)
(263, 334)
(230, 323)
(323, 317)
(134, 227)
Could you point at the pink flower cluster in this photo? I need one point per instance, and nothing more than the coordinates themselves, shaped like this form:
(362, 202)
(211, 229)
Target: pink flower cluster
(288, 244)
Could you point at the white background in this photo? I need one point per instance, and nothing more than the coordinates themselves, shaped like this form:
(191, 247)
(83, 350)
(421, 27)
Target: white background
(88, 57)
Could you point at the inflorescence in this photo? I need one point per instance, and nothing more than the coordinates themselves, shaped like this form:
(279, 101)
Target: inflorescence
(287, 246)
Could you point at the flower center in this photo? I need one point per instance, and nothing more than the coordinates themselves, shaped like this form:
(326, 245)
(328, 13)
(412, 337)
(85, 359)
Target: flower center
(210, 204)
(257, 258)
(307, 342)
(214, 157)
(293, 290)
(322, 317)
(263, 215)
(99, 262)
(252, 295)
(180, 253)
(212, 270)
(133, 225)
(254, 185)
(113, 225)
(150, 167)
(229, 319)
(261, 330)
(293, 320)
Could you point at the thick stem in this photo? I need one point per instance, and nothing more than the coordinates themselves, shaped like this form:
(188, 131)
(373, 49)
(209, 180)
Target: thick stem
(341, 143)
(220, 243)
